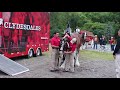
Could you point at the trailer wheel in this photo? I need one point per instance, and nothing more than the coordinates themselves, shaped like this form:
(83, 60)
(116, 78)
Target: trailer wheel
(30, 53)
(38, 52)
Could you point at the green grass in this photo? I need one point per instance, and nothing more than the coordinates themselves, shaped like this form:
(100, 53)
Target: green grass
(94, 55)
(88, 55)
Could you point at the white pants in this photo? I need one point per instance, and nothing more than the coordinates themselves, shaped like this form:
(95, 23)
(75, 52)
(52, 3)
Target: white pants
(117, 64)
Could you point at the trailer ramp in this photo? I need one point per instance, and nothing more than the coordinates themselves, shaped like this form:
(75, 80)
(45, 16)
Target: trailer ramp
(10, 67)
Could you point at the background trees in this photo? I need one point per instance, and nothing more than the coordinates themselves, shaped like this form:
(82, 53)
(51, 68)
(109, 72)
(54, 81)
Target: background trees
(100, 23)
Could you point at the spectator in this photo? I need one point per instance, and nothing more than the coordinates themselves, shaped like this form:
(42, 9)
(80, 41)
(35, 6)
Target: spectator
(104, 41)
(112, 43)
(100, 41)
(95, 42)
(116, 55)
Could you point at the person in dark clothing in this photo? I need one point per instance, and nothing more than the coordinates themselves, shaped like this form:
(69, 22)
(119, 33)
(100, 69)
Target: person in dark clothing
(117, 48)
(102, 43)
(116, 55)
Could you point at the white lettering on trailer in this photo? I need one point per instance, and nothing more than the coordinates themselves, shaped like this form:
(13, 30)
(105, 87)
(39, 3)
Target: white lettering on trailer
(28, 27)
(5, 24)
(32, 27)
(24, 26)
(37, 28)
(44, 38)
(13, 24)
(19, 26)
(9, 25)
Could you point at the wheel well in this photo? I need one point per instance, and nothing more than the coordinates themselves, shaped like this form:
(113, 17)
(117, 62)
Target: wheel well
(38, 48)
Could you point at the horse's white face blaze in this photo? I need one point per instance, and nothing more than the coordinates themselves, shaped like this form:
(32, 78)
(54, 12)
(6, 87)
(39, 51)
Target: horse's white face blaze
(62, 45)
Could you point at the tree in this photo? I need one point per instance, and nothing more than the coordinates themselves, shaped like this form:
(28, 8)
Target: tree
(96, 22)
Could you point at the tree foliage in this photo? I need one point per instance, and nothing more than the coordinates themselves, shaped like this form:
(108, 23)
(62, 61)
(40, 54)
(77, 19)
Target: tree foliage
(100, 23)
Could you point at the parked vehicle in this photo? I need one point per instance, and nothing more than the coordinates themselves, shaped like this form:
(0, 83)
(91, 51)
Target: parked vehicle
(24, 33)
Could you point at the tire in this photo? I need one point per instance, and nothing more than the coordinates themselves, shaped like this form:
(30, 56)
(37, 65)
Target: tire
(30, 53)
(38, 52)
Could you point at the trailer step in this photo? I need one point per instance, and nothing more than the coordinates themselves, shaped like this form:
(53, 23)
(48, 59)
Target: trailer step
(10, 67)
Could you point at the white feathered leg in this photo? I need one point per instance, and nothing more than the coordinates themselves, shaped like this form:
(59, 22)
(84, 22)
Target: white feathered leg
(76, 55)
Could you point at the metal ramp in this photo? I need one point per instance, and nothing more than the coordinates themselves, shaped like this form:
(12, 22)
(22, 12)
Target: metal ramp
(10, 67)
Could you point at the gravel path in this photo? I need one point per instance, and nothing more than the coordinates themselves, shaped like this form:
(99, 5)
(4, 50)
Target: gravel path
(39, 68)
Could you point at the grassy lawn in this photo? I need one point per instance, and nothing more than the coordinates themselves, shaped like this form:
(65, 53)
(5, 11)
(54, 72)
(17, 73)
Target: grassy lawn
(94, 55)
(88, 55)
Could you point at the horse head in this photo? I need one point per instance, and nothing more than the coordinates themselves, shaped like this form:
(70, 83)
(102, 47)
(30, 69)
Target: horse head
(80, 38)
(64, 45)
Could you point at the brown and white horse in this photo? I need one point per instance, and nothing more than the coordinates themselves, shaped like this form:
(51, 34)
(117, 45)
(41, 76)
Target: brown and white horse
(80, 40)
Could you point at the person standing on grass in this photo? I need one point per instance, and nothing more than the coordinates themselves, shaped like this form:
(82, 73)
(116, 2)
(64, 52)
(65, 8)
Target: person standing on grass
(103, 42)
(95, 42)
(116, 55)
(55, 43)
(100, 41)
(112, 43)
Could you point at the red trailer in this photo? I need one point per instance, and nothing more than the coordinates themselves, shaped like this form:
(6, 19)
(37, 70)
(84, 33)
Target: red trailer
(89, 35)
(24, 33)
